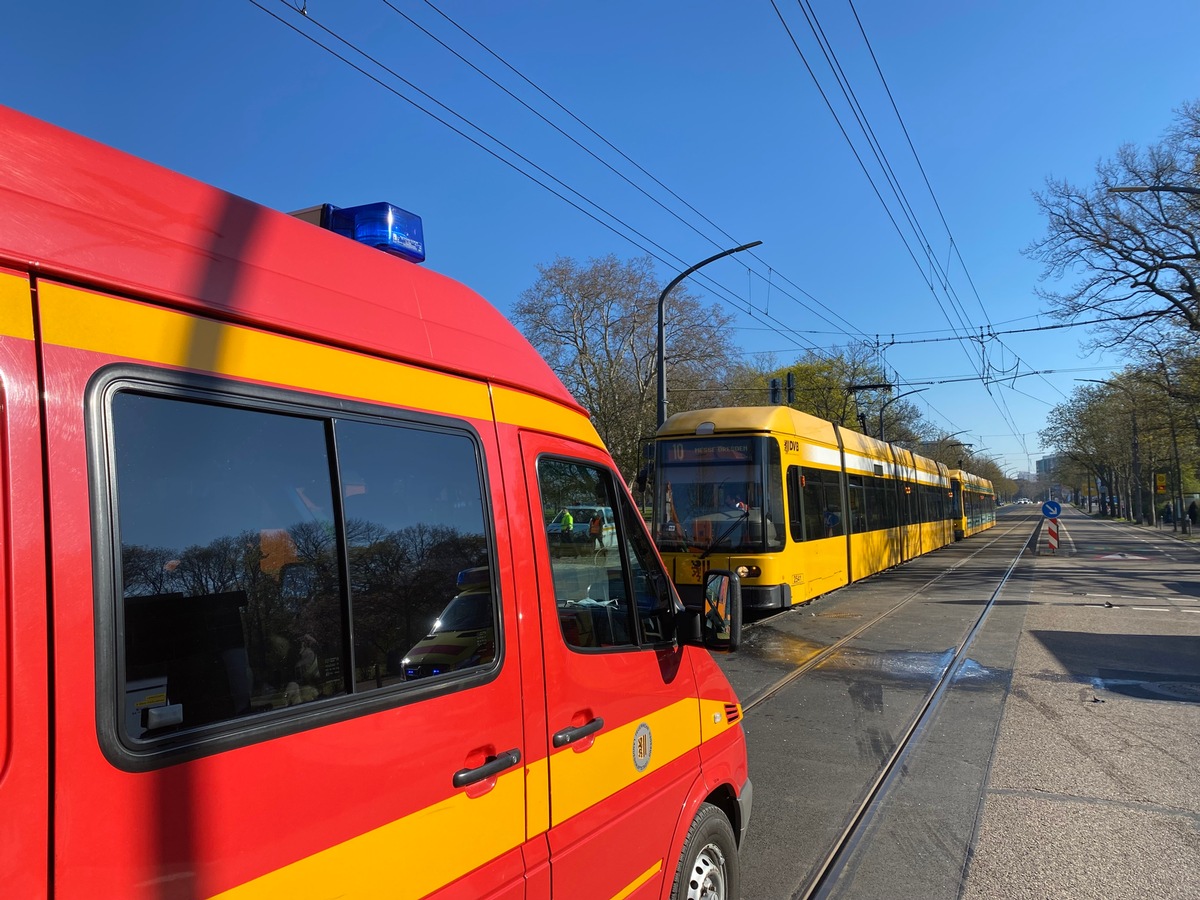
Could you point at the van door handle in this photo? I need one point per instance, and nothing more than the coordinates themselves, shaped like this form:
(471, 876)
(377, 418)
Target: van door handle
(494, 766)
(570, 735)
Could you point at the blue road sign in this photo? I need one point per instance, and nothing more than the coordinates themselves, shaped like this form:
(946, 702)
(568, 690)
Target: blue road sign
(1051, 509)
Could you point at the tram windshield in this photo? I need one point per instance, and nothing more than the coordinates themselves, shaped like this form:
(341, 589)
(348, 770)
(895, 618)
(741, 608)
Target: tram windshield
(718, 494)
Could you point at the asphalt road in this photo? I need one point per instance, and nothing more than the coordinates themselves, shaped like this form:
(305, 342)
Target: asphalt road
(1061, 761)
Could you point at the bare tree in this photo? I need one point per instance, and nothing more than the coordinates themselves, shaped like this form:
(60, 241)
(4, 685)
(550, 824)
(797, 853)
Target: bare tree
(1139, 252)
(596, 325)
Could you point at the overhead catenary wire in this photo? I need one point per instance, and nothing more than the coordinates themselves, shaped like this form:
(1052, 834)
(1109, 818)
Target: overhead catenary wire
(824, 312)
(881, 158)
(953, 244)
(743, 303)
(725, 234)
(854, 150)
(673, 261)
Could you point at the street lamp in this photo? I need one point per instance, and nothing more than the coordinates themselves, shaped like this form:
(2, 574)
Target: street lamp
(662, 331)
(889, 402)
(1153, 189)
(880, 386)
(872, 386)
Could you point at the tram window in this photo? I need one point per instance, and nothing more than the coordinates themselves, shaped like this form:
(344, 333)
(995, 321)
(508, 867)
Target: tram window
(796, 509)
(772, 505)
(823, 515)
(890, 509)
(611, 596)
(233, 532)
(910, 503)
(875, 503)
(931, 503)
(858, 504)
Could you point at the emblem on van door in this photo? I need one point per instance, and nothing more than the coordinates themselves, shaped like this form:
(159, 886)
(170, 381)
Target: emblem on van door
(642, 745)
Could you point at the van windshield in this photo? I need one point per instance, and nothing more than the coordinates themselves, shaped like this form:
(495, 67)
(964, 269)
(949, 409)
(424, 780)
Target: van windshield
(466, 612)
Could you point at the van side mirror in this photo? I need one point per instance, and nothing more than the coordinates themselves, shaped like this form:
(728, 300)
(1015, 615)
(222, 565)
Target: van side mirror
(721, 617)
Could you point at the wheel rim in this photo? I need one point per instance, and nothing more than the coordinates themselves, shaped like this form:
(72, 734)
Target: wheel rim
(708, 875)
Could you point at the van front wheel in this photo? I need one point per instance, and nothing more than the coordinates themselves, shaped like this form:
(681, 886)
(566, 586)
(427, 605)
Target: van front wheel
(709, 868)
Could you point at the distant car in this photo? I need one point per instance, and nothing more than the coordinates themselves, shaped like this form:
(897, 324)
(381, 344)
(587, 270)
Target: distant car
(578, 538)
(1024, 500)
(463, 635)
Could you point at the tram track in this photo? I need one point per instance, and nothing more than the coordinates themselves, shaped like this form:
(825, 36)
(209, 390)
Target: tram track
(843, 835)
(876, 765)
(808, 665)
(829, 869)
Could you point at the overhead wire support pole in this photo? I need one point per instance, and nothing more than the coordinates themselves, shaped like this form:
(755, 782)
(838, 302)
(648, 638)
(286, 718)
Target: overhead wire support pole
(662, 331)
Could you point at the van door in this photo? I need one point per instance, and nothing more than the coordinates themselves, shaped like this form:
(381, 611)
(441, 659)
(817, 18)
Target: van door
(25, 788)
(621, 707)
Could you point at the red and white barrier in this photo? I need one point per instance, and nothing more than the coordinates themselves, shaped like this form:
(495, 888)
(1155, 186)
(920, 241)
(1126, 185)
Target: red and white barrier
(1052, 534)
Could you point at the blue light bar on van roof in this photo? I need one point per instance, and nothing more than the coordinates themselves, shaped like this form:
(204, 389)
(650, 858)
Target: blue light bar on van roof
(380, 225)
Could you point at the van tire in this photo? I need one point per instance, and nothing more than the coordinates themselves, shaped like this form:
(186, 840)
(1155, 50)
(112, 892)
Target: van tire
(709, 868)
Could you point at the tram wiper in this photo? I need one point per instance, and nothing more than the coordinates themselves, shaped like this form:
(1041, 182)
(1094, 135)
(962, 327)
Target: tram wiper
(724, 534)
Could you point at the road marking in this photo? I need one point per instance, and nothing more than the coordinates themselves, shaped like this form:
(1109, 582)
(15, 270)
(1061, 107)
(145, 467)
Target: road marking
(1152, 608)
(1169, 599)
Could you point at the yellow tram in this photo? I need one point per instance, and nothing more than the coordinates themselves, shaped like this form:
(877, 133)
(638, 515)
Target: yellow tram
(796, 505)
(973, 504)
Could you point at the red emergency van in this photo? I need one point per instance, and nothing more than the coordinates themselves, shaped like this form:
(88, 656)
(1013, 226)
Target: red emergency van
(243, 463)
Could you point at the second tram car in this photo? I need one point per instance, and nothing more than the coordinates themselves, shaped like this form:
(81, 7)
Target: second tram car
(796, 505)
(973, 504)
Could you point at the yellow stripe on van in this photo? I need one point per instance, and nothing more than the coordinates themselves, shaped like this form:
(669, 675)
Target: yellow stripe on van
(459, 834)
(102, 324)
(516, 408)
(16, 307)
(713, 719)
(639, 881)
(537, 786)
(582, 778)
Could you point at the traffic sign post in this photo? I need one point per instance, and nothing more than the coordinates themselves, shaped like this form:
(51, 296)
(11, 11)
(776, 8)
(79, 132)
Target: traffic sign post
(1051, 509)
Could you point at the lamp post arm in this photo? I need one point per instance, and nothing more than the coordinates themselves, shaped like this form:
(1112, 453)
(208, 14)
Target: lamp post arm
(1153, 189)
(662, 330)
(889, 402)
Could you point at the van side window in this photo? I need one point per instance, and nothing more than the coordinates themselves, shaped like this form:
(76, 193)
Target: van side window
(273, 558)
(607, 595)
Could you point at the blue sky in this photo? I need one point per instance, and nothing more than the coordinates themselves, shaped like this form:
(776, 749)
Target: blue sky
(715, 102)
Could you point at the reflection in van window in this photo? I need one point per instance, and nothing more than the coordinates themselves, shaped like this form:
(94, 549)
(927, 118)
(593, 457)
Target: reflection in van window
(608, 588)
(235, 540)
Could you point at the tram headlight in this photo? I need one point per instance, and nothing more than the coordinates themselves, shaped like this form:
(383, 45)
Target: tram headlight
(748, 571)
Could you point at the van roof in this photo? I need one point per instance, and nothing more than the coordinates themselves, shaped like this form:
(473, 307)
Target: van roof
(88, 214)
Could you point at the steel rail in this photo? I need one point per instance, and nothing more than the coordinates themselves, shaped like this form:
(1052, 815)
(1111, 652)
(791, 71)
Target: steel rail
(828, 871)
(810, 664)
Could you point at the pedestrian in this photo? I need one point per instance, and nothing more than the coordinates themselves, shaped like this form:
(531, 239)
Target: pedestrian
(596, 530)
(1192, 512)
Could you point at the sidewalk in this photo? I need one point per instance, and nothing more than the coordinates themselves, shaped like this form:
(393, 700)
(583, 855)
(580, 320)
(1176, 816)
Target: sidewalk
(1094, 788)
